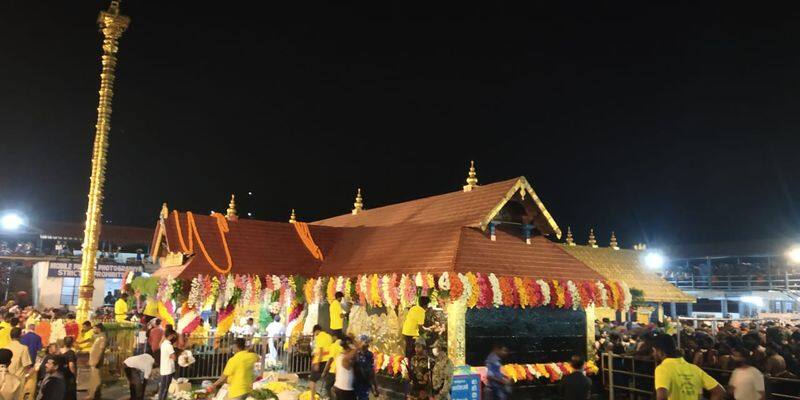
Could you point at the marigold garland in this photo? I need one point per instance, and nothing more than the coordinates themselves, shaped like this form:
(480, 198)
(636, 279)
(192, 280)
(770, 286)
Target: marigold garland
(456, 287)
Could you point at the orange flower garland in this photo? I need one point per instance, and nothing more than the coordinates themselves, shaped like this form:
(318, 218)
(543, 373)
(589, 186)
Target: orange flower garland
(472, 301)
(523, 295)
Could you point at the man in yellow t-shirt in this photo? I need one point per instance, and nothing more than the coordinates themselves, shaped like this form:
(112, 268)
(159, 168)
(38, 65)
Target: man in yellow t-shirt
(676, 379)
(335, 312)
(322, 344)
(334, 350)
(121, 308)
(415, 319)
(87, 337)
(5, 331)
(238, 372)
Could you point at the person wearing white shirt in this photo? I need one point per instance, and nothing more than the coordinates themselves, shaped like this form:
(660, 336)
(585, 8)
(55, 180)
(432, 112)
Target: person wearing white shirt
(137, 370)
(167, 366)
(274, 332)
(747, 382)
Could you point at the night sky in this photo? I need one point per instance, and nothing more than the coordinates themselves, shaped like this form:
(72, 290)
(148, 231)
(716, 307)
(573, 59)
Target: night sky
(668, 123)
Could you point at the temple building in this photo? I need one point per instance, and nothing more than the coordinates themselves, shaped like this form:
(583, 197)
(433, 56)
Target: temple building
(502, 228)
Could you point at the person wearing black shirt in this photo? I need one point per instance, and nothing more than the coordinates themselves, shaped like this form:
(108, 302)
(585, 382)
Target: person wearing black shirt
(52, 351)
(53, 385)
(70, 369)
(576, 386)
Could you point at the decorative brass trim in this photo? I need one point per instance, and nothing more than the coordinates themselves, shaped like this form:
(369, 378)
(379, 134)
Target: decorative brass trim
(522, 184)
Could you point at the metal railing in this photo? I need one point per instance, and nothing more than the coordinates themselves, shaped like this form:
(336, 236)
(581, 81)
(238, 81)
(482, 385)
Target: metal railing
(785, 281)
(212, 353)
(633, 376)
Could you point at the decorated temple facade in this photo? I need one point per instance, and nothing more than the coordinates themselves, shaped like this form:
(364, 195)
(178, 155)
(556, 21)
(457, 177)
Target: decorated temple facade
(491, 253)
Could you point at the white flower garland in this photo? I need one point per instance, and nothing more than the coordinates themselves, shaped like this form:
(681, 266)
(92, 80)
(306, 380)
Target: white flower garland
(195, 298)
(468, 289)
(387, 300)
(340, 284)
(318, 291)
(230, 285)
(497, 294)
(603, 294)
(276, 282)
(576, 295)
(545, 291)
(363, 284)
(247, 296)
(401, 290)
(628, 297)
(444, 281)
(418, 280)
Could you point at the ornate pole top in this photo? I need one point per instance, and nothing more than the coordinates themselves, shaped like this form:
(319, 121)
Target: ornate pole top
(230, 214)
(112, 24)
(592, 239)
(472, 178)
(292, 218)
(570, 239)
(164, 211)
(614, 245)
(358, 206)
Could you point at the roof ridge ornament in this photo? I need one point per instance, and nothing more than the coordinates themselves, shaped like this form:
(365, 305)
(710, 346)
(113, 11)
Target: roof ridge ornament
(164, 211)
(570, 239)
(292, 218)
(472, 178)
(230, 214)
(592, 239)
(358, 206)
(614, 245)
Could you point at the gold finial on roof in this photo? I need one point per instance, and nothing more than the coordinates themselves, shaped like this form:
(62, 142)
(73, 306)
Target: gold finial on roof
(570, 240)
(292, 218)
(230, 214)
(614, 245)
(359, 204)
(472, 178)
(164, 211)
(592, 239)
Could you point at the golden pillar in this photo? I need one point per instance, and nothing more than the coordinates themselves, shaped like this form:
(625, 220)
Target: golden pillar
(112, 25)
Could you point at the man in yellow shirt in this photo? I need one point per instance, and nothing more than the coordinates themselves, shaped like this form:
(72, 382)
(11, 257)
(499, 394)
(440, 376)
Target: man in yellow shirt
(320, 357)
(5, 330)
(415, 319)
(336, 314)
(121, 308)
(676, 379)
(87, 337)
(238, 372)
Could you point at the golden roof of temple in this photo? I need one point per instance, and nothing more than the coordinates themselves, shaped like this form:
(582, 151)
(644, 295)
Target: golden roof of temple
(628, 265)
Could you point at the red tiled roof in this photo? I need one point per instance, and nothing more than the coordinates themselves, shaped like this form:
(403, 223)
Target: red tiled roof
(256, 247)
(510, 255)
(433, 234)
(122, 235)
(459, 208)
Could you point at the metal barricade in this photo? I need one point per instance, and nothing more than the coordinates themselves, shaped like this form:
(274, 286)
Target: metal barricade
(120, 344)
(627, 375)
(211, 354)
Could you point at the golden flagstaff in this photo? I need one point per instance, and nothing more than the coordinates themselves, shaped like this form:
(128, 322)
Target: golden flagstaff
(112, 25)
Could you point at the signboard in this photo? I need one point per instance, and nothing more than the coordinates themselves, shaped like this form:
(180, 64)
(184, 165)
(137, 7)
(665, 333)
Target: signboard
(102, 271)
(466, 387)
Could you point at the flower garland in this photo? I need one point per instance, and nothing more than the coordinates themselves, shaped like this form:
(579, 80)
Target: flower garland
(544, 289)
(473, 290)
(497, 293)
(552, 372)
(391, 365)
(457, 287)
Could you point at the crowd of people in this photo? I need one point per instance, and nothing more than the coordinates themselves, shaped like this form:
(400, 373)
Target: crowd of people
(743, 352)
(38, 354)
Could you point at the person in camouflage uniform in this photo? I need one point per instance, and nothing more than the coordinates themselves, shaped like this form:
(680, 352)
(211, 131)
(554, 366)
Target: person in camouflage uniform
(442, 375)
(420, 373)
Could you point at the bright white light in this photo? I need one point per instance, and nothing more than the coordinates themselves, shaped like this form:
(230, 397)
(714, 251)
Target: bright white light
(145, 275)
(794, 254)
(755, 300)
(654, 260)
(11, 222)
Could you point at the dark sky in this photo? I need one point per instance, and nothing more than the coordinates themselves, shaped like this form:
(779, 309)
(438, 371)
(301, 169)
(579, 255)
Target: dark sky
(669, 123)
